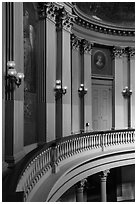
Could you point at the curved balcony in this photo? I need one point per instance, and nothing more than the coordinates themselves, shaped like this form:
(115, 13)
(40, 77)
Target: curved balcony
(64, 162)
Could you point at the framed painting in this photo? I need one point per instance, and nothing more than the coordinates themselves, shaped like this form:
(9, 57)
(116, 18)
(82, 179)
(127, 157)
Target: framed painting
(99, 59)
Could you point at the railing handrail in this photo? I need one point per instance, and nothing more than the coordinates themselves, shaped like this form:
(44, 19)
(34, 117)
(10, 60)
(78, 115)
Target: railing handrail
(77, 135)
(59, 149)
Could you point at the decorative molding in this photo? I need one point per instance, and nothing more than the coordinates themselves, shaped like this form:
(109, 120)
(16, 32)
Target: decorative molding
(98, 27)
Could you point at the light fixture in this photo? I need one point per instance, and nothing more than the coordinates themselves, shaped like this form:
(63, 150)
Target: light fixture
(126, 92)
(59, 90)
(12, 74)
(82, 90)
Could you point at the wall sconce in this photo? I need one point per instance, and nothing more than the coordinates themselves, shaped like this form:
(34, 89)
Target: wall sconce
(59, 90)
(82, 90)
(126, 92)
(12, 74)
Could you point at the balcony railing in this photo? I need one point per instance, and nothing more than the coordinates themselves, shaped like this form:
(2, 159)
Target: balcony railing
(51, 155)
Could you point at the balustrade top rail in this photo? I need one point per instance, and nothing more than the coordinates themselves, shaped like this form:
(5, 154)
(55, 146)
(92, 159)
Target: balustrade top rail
(55, 151)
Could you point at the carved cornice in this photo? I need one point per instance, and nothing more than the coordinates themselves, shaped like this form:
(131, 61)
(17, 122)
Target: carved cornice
(101, 28)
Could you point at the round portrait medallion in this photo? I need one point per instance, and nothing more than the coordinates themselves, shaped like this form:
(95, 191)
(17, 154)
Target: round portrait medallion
(99, 59)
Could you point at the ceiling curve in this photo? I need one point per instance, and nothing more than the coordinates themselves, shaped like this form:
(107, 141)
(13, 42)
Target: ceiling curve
(113, 13)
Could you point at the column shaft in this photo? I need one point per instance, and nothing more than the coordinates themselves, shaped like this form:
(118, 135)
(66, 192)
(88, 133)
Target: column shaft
(75, 86)
(103, 180)
(88, 85)
(79, 195)
(103, 190)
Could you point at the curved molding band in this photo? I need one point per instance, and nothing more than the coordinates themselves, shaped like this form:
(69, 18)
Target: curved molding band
(86, 169)
(96, 26)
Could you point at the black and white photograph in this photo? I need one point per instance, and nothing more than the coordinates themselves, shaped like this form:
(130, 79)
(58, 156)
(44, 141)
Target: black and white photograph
(68, 101)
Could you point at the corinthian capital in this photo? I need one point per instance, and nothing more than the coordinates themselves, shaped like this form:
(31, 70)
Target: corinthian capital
(131, 51)
(118, 52)
(104, 174)
(68, 20)
(87, 47)
(75, 42)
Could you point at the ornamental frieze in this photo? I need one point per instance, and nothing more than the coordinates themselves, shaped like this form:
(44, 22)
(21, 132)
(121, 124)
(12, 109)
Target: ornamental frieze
(102, 29)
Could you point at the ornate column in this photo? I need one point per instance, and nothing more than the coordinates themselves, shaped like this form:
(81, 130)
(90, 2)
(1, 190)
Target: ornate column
(14, 96)
(128, 96)
(88, 85)
(82, 87)
(119, 119)
(63, 72)
(46, 71)
(75, 81)
(103, 180)
(80, 190)
(132, 86)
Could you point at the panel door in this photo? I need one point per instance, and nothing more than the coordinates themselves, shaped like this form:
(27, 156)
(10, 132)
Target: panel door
(101, 107)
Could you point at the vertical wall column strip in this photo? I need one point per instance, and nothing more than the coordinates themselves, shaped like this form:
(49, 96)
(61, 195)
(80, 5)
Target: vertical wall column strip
(9, 102)
(18, 91)
(59, 74)
(82, 82)
(129, 98)
(132, 85)
(113, 91)
(75, 84)
(50, 78)
(119, 79)
(41, 84)
(88, 85)
(66, 81)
